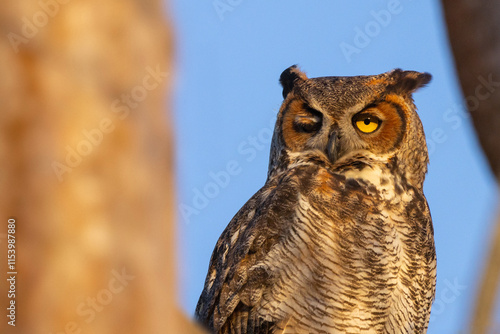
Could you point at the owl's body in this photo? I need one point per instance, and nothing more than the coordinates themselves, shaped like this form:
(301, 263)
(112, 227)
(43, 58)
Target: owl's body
(340, 238)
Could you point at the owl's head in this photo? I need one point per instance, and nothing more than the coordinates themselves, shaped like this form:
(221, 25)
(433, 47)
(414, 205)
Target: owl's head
(337, 120)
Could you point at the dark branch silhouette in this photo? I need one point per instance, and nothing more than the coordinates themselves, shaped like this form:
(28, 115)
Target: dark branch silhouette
(474, 33)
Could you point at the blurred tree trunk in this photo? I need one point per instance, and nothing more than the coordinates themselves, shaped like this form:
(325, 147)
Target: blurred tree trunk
(87, 167)
(474, 33)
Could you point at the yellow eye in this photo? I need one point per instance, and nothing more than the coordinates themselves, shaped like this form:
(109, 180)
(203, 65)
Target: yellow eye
(366, 123)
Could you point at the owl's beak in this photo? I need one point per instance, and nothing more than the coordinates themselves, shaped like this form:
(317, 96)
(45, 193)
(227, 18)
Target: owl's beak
(332, 149)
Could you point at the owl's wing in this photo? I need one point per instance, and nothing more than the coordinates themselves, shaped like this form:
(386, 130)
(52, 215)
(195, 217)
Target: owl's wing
(237, 276)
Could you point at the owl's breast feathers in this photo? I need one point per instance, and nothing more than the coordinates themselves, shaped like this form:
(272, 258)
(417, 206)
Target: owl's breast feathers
(322, 251)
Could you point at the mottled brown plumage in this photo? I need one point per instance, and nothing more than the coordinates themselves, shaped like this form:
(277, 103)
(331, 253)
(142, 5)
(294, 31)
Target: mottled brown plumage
(340, 238)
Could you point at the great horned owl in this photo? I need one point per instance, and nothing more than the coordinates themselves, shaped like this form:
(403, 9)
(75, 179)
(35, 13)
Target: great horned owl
(340, 238)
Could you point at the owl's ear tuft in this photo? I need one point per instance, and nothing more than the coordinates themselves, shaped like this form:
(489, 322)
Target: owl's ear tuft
(289, 78)
(409, 81)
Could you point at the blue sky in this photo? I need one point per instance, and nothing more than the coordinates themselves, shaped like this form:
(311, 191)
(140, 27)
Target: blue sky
(227, 95)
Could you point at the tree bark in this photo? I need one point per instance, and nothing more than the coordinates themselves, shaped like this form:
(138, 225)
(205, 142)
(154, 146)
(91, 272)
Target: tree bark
(474, 33)
(86, 152)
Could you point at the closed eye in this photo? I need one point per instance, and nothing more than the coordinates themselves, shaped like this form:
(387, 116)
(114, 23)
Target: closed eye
(309, 122)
